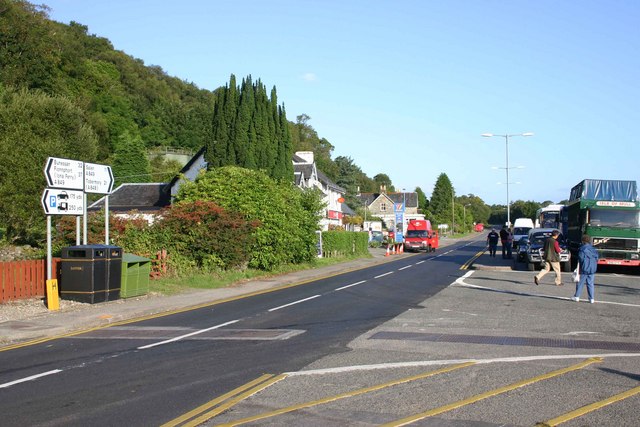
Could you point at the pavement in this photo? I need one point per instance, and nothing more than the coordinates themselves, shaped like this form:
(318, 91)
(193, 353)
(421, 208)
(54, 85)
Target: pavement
(45, 325)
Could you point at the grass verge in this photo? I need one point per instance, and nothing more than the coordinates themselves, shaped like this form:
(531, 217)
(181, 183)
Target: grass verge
(223, 279)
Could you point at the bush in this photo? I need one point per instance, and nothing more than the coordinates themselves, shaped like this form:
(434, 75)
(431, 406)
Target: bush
(344, 243)
(208, 235)
(287, 216)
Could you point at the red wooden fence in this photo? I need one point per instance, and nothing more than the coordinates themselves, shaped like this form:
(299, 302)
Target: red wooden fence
(25, 279)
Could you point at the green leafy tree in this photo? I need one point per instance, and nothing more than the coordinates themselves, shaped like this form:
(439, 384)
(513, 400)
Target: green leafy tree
(423, 201)
(162, 169)
(288, 217)
(130, 162)
(382, 179)
(35, 126)
(441, 200)
(524, 209)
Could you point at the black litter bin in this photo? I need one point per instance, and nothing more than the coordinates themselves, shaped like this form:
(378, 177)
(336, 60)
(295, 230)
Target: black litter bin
(91, 273)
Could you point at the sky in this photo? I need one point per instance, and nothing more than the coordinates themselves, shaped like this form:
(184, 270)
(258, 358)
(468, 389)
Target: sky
(407, 88)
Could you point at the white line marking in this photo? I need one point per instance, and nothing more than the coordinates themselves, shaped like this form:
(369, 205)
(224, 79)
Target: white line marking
(295, 302)
(382, 275)
(343, 369)
(353, 284)
(461, 283)
(201, 331)
(31, 378)
(404, 268)
(420, 262)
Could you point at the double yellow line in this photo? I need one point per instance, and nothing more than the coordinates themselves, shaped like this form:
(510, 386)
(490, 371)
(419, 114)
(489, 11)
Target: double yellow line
(467, 264)
(220, 404)
(226, 401)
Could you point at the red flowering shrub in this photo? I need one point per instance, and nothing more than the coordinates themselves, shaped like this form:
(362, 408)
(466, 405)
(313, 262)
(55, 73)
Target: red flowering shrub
(206, 234)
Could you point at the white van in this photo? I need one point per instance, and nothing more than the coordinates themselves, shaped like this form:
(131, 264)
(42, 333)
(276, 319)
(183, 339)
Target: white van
(521, 229)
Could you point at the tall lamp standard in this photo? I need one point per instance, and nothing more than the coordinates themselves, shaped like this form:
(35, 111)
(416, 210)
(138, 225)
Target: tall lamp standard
(506, 140)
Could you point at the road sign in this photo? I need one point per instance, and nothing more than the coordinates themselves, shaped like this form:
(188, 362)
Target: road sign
(57, 201)
(97, 178)
(64, 173)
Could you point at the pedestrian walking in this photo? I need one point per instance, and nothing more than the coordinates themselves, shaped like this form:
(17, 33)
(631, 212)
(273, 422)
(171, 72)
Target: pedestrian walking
(587, 266)
(551, 259)
(492, 241)
(509, 244)
(504, 235)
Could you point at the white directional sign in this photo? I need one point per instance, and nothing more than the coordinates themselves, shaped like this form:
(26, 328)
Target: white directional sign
(97, 178)
(64, 173)
(57, 201)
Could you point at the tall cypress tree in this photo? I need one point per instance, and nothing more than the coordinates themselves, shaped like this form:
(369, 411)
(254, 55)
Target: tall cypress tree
(230, 113)
(249, 129)
(242, 124)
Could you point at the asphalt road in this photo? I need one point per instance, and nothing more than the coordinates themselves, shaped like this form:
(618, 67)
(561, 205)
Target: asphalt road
(150, 372)
(417, 340)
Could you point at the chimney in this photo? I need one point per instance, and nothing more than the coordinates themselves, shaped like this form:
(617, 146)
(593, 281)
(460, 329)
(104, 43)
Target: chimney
(307, 156)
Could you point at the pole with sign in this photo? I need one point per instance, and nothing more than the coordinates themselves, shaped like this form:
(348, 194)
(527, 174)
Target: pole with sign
(398, 209)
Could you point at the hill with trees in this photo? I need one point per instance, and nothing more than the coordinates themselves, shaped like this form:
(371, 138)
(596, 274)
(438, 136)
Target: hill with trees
(67, 93)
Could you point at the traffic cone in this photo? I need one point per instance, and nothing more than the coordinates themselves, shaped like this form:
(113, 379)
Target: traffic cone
(401, 248)
(393, 250)
(387, 254)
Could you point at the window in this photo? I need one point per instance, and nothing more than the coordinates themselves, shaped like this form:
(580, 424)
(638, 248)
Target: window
(383, 206)
(614, 218)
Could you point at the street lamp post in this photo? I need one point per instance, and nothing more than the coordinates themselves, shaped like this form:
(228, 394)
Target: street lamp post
(506, 140)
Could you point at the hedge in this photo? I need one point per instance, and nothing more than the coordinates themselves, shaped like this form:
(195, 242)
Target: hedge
(344, 243)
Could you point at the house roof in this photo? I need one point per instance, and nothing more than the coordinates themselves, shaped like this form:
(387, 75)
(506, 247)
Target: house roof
(306, 169)
(347, 210)
(410, 199)
(138, 196)
(326, 181)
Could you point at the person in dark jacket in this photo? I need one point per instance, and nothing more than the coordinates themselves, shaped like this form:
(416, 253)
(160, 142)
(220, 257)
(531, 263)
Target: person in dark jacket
(551, 258)
(588, 264)
(504, 237)
(492, 241)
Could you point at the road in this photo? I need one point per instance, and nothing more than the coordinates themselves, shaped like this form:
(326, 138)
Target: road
(417, 340)
(152, 371)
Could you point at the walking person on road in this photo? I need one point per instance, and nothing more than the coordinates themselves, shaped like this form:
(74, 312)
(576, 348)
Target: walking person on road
(551, 258)
(504, 235)
(587, 266)
(492, 241)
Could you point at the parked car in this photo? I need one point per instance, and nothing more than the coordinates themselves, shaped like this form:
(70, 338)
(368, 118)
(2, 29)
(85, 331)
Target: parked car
(522, 247)
(535, 249)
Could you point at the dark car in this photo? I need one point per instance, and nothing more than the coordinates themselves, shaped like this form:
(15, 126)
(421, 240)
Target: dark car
(521, 251)
(534, 252)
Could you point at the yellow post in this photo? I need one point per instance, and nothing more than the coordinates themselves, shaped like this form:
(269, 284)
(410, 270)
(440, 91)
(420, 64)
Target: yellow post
(52, 294)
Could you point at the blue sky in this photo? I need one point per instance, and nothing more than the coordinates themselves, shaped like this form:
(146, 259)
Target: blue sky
(407, 88)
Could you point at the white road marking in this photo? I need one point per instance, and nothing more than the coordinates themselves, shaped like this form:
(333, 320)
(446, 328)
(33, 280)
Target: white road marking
(420, 262)
(295, 302)
(31, 378)
(382, 275)
(354, 368)
(353, 284)
(404, 268)
(201, 331)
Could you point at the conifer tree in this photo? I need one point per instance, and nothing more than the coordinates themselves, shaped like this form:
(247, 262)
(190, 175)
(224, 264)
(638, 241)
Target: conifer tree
(441, 205)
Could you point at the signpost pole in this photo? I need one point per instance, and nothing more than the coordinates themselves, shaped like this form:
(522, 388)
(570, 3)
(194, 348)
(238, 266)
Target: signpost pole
(78, 225)
(49, 247)
(84, 222)
(106, 219)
